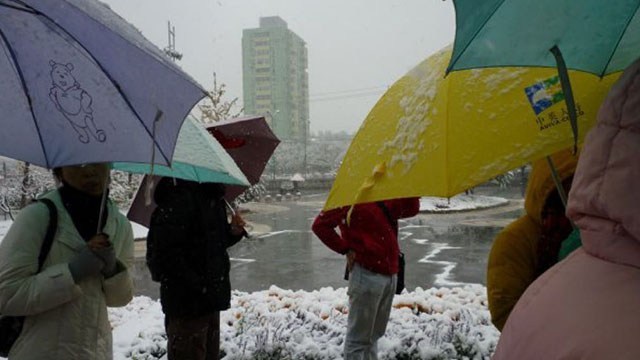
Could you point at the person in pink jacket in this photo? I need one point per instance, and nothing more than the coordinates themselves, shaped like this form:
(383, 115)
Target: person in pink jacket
(588, 306)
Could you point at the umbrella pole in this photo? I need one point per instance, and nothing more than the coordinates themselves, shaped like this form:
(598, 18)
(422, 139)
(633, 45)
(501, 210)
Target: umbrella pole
(150, 183)
(568, 93)
(558, 182)
(233, 211)
(103, 202)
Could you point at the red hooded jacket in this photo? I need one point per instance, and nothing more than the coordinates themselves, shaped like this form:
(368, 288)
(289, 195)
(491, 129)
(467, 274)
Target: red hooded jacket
(369, 233)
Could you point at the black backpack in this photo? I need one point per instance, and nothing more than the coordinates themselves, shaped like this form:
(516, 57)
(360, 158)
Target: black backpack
(11, 326)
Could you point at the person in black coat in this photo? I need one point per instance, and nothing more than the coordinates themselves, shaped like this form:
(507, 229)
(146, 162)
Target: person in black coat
(187, 253)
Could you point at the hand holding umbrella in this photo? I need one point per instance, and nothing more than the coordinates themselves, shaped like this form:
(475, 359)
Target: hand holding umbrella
(237, 225)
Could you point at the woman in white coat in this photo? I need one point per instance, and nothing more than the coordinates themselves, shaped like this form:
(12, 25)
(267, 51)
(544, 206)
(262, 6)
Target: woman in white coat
(86, 270)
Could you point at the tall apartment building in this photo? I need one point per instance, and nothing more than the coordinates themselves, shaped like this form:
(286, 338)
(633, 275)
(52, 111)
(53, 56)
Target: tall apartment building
(275, 79)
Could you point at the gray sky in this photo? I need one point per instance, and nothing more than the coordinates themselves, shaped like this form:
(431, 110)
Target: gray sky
(356, 48)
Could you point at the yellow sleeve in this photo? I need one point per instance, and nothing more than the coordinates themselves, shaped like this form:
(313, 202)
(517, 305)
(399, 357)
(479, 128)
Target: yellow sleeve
(511, 267)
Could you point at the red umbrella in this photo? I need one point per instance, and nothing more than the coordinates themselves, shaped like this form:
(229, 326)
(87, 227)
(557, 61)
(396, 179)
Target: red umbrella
(248, 140)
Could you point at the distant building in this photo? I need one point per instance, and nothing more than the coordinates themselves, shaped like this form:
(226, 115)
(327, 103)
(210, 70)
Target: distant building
(275, 79)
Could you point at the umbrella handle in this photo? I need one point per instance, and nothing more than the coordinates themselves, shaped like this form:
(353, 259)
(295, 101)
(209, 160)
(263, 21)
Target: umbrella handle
(148, 190)
(233, 211)
(153, 138)
(559, 187)
(103, 202)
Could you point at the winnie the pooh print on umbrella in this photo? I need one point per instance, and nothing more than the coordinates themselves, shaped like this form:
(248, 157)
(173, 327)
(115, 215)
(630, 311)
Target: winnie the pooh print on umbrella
(73, 102)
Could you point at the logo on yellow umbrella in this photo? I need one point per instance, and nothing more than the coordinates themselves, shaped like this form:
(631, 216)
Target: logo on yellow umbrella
(543, 94)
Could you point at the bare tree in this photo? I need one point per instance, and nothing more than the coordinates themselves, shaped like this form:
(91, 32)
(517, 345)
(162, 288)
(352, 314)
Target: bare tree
(29, 182)
(214, 107)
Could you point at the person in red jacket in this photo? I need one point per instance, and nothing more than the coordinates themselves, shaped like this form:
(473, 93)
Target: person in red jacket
(369, 239)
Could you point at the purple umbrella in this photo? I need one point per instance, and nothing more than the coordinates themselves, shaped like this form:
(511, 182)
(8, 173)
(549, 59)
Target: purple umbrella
(79, 85)
(248, 140)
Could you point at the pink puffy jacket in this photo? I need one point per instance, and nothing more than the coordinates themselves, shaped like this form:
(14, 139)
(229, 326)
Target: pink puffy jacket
(588, 306)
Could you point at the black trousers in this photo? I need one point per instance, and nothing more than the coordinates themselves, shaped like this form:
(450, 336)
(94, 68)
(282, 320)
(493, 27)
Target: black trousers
(193, 338)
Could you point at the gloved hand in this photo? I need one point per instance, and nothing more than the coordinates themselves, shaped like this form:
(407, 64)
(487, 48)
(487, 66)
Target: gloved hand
(85, 264)
(108, 255)
(102, 247)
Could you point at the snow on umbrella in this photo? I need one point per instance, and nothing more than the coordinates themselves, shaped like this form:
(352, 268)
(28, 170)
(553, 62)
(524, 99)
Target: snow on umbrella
(431, 135)
(81, 85)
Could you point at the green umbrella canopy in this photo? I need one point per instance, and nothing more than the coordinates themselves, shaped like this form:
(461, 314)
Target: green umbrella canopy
(595, 36)
(198, 157)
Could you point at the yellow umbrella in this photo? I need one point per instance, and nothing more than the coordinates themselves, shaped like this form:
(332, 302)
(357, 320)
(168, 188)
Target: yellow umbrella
(431, 135)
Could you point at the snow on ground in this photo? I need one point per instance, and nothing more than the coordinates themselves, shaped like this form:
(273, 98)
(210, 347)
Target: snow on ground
(460, 203)
(139, 231)
(436, 323)
(283, 324)
(4, 227)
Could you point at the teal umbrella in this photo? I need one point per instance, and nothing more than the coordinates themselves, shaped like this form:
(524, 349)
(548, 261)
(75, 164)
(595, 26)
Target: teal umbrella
(595, 36)
(197, 157)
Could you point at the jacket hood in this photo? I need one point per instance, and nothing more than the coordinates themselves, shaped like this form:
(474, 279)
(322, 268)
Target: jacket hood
(605, 199)
(541, 184)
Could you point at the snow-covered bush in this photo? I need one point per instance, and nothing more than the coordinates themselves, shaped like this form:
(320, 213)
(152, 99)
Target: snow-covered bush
(436, 323)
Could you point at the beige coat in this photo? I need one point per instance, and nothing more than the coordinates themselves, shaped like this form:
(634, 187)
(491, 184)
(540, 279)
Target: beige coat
(64, 320)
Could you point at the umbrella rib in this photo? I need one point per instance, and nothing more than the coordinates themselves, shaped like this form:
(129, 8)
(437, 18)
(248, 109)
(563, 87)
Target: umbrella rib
(115, 83)
(454, 60)
(615, 48)
(26, 91)
(29, 10)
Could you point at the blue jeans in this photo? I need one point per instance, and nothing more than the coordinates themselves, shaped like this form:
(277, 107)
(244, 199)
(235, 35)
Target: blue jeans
(370, 299)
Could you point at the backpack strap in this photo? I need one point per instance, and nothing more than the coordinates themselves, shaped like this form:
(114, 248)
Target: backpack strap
(52, 227)
(392, 221)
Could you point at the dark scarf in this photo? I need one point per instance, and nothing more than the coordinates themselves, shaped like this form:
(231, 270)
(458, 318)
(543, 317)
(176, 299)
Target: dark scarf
(84, 210)
(554, 230)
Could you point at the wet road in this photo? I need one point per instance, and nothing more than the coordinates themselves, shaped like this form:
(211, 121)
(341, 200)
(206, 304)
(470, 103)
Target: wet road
(440, 249)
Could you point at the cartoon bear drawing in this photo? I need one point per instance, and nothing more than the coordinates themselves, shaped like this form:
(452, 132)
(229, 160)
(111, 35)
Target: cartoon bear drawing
(73, 102)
